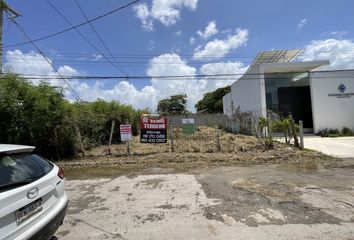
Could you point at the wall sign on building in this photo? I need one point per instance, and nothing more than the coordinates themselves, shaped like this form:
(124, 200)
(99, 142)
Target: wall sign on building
(125, 132)
(342, 92)
(153, 130)
(188, 126)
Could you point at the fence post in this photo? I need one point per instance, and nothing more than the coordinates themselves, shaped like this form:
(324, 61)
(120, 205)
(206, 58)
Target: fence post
(110, 137)
(218, 144)
(129, 147)
(301, 126)
(171, 133)
(79, 139)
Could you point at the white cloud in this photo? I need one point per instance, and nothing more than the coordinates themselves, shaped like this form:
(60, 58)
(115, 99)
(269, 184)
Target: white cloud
(97, 57)
(125, 92)
(219, 48)
(178, 33)
(172, 64)
(338, 34)
(192, 41)
(33, 65)
(151, 45)
(165, 11)
(339, 52)
(302, 24)
(143, 13)
(29, 63)
(209, 31)
(212, 83)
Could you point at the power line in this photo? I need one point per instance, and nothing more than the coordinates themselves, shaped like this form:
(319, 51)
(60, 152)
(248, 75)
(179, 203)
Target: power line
(196, 76)
(76, 26)
(100, 38)
(100, 62)
(229, 55)
(47, 60)
(83, 36)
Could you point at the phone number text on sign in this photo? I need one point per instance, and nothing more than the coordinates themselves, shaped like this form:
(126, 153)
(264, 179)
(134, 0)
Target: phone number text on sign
(153, 130)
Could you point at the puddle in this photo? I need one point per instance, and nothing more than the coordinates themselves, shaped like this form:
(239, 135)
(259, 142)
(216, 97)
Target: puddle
(300, 167)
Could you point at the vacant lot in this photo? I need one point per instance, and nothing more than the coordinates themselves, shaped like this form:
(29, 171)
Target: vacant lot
(200, 149)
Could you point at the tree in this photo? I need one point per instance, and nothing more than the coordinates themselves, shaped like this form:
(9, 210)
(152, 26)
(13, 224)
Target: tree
(212, 101)
(39, 115)
(35, 115)
(176, 104)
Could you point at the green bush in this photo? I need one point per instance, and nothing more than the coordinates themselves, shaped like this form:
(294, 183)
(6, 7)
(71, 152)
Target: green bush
(39, 115)
(335, 132)
(324, 133)
(347, 132)
(35, 115)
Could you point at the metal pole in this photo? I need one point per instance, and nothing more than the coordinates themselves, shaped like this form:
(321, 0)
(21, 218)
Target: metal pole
(14, 14)
(301, 126)
(1, 26)
(110, 137)
(171, 131)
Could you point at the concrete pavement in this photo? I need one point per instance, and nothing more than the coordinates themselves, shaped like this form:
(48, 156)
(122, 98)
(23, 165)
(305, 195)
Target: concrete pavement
(260, 202)
(342, 147)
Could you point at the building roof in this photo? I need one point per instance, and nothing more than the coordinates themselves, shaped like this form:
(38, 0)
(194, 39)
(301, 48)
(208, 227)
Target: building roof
(282, 61)
(10, 148)
(294, 67)
(275, 56)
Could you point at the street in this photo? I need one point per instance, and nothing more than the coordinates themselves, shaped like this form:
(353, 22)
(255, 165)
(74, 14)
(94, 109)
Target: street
(289, 201)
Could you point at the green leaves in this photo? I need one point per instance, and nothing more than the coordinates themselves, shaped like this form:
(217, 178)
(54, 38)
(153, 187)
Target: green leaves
(39, 115)
(176, 104)
(32, 115)
(212, 101)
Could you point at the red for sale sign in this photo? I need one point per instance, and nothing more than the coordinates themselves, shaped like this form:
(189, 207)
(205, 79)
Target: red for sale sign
(153, 130)
(125, 132)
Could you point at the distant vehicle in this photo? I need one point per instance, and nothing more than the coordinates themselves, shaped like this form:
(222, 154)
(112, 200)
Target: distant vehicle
(33, 201)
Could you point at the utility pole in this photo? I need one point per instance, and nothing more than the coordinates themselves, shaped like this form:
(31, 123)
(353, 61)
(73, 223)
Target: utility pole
(13, 14)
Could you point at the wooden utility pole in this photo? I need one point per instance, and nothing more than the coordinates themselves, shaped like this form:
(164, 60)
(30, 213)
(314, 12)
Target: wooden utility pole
(13, 14)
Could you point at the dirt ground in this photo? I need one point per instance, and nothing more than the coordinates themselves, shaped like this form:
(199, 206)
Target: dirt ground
(198, 150)
(273, 201)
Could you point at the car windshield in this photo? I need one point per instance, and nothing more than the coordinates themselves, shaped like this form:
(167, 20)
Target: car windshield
(20, 169)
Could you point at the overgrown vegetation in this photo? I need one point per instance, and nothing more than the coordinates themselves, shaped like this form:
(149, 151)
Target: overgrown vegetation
(39, 115)
(270, 128)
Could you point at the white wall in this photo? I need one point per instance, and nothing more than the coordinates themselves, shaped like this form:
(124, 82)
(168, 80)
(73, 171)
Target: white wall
(248, 93)
(332, 112)
(227, 104)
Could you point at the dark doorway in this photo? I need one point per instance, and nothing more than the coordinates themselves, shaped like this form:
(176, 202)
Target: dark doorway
(297, 101)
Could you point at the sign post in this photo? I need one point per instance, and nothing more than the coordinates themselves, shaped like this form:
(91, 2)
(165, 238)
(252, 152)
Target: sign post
(153, 130)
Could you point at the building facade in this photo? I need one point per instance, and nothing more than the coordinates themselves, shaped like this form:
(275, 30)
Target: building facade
(276, 82)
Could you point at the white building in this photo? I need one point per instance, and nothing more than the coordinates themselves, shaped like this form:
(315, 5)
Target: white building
(274, 81)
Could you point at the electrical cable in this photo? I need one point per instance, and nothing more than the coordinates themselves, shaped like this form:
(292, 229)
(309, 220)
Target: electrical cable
(76, 26)
(193, 77)
(83, 37)
(47, 60)
(100, 38)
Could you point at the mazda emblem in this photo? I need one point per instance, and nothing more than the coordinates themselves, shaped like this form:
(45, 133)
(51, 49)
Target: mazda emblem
(32, 193)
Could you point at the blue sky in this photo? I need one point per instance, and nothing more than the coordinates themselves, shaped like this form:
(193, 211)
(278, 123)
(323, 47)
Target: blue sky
(174, 37)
